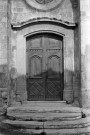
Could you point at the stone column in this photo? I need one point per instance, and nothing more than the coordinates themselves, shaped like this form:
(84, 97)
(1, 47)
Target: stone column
(85, 52)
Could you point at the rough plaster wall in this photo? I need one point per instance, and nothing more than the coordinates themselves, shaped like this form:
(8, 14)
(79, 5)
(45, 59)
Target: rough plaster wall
(3, 47)
(22, 12)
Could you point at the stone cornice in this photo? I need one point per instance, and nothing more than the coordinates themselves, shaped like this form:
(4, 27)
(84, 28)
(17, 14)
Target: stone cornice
(43, 20)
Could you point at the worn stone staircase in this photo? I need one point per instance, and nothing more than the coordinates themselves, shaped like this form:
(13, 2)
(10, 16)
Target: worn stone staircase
(48, 118)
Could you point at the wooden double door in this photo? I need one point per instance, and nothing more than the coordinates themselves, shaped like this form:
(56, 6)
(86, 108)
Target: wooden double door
(45, 67)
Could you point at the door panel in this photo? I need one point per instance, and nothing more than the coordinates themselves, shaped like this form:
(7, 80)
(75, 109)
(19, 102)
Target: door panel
(44, 67)
(35, 78)
(36, 66)
(54, 81)
(53, 67)
(54, 77)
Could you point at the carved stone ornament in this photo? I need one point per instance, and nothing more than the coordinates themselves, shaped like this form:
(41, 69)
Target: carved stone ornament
(43, 1)
(44, 5)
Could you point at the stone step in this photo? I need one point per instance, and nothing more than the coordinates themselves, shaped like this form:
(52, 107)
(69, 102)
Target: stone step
(45, 116)
(79, 131)
(1, 104)
(42, 108)
(1, 111)
(86, 112)
(81, 123)
(28, 127)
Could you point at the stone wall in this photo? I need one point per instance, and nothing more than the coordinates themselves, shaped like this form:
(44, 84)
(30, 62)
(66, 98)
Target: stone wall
(3, 49)
(22, 12)
(67, 12)
(85, 52)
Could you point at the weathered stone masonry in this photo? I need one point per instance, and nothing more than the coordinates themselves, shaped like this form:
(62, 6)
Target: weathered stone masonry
(3, 50)
(15, 19)
(22, 13)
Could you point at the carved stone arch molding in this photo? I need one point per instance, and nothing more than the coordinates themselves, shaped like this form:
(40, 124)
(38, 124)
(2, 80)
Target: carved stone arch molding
(27, 29)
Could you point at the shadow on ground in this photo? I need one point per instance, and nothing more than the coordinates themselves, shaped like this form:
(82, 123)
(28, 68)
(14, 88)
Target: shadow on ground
(5, 132)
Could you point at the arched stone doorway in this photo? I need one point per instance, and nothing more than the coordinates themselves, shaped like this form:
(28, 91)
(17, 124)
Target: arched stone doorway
(59, 57)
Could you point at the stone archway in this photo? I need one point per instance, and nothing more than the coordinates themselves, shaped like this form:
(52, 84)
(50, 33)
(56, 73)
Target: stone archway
(27, 30)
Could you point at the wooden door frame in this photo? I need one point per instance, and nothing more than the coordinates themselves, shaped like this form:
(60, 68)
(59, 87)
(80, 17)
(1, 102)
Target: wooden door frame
(51, 34)
(55, 33)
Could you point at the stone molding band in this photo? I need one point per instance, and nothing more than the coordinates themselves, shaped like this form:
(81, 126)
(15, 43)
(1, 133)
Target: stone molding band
(35, 20)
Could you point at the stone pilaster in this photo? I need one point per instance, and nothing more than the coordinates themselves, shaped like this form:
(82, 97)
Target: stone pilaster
(85, 52)
(3, 52)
